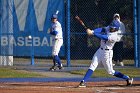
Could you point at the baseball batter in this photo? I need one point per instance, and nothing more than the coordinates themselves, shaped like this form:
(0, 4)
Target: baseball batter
(108, 36)
(57, 42)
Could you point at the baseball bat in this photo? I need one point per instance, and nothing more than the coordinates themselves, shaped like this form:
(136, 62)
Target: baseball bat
(81, 22)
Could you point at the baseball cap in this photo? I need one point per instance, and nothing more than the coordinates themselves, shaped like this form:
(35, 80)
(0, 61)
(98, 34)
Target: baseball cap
(54, 16)
(116, 15)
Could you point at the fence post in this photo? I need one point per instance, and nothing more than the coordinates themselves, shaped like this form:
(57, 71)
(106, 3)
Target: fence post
(137, 10)
(68, 33)
(32, 31)
(135, 35)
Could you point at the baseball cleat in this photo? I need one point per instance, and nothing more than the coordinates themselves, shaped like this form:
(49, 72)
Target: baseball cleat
(53, 68)
(129, 81)
(60, 67)
(82, 84)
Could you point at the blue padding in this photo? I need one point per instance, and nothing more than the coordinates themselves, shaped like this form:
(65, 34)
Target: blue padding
(60, 79)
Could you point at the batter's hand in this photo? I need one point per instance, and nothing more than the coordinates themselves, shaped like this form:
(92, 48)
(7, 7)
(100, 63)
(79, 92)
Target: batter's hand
(89, 32)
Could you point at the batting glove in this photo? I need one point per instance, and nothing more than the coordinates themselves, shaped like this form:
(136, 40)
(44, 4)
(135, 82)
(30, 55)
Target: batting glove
(89, 32)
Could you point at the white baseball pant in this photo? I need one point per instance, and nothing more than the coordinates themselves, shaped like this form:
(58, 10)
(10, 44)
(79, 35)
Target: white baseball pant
(103, 57)
(57, 43)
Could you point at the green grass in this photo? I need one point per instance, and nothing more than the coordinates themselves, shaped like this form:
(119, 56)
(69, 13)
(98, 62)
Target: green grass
(11, 73)
(132, 72)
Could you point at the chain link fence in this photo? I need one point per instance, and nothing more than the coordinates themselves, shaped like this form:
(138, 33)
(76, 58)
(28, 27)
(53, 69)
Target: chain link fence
(6, 30)
(99, 13)
(94, 13)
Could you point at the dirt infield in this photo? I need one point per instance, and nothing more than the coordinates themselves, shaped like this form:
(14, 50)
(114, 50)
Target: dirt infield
(69, 87)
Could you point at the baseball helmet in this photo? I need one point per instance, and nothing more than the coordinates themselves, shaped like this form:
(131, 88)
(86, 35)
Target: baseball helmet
(115, 24)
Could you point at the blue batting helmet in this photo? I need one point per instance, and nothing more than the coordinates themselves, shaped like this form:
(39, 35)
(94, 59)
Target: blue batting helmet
(115, 24)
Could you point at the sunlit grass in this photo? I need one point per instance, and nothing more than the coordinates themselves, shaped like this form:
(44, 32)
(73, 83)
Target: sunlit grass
(10, 73)
(132, 72)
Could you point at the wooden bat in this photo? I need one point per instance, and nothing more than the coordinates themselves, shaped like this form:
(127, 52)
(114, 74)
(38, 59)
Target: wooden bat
(81, 22)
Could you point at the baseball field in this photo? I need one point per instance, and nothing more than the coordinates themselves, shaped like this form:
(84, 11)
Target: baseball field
(24, 78)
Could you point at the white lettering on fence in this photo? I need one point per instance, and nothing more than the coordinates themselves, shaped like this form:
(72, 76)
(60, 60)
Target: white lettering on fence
(25, 41)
